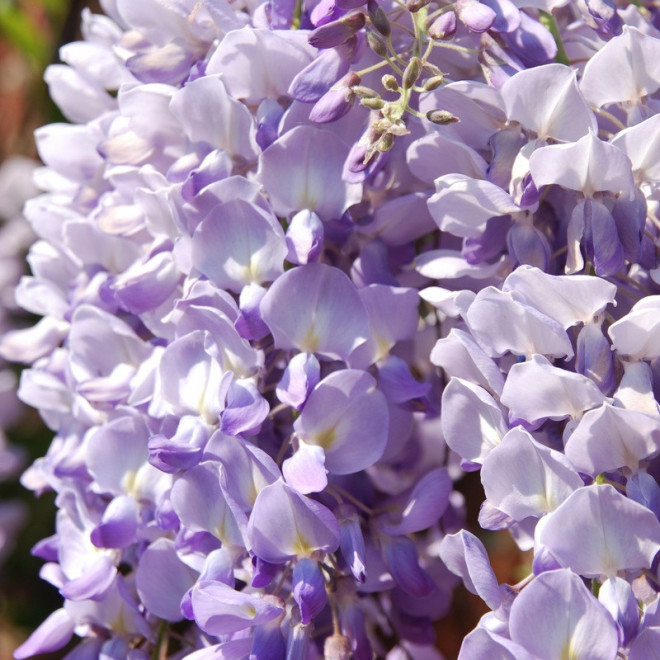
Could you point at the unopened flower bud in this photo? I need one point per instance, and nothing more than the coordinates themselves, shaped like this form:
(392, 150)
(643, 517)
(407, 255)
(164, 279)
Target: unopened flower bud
(353, 22)
(390, 83)
(373, 103)
(476, 16)
(378, 18)
(415, 5)
(432, 69)
(336, 102)
(433, 83)
(377, 43)
(411, 73)
(444, 26)
(351, 79)
(337, 32)
(398, 128)
(390, 110)
(385, 142)
(380, 125)
(442, 117)
(365, 92)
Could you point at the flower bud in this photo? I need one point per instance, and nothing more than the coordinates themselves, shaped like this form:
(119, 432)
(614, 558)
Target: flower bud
(364, 92)
(432, 69)
(351, 79)
(415, 5)
(390, 83)
(373, 103)
(378, 18)
(385, 142)
(308, 589)
(476, 16)
(336, 102)
(390, 110)
(377, 44)
(380, 125)
(398, 129)
(411, 73)
(444, 26)
(433, 83)
(442, 117)
(337, 32)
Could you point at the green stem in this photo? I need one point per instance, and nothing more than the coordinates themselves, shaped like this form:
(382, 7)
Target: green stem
(414, 112)
(390, 47)
(277, 410)
(608, 115)
(402, 27)
(281, 453)
(374, 67)
(460, 49)
(427, 52)
(394, 66)
(602, 479)
(297, 15)
(162, 631)
(549, 23)
(334, 489)
(438, 12)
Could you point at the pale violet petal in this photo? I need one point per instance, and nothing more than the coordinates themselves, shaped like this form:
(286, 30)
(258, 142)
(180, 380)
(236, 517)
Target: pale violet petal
(296, 179)
(536, 390)
(462, 205)
(546, 99)
(610, 437)
(316, 309)
(472, 421)
(597, 531)
(626, 68)
(523, 478)
(568, 299)
(344, 406)
(556, 612)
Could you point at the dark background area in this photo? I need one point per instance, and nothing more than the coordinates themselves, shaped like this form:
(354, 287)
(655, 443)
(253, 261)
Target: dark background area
(31, 32)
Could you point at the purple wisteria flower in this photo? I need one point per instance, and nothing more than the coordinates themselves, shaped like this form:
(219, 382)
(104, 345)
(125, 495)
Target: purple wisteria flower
(303, 265)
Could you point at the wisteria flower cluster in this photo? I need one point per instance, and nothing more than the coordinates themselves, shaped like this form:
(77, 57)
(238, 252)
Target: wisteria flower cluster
(301, 265)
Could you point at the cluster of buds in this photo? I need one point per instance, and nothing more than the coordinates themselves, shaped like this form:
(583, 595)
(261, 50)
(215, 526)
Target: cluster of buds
(410, 70)
(407, 68)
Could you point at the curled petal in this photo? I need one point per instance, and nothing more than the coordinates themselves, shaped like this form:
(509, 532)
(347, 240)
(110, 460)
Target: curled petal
(465, 555)
(637, 334)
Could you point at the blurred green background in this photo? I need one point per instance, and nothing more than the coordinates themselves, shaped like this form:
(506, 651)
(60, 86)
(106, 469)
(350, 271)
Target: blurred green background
(31, 32)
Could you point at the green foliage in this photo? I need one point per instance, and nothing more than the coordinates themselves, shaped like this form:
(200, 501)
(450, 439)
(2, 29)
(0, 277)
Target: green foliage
(19, 28)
